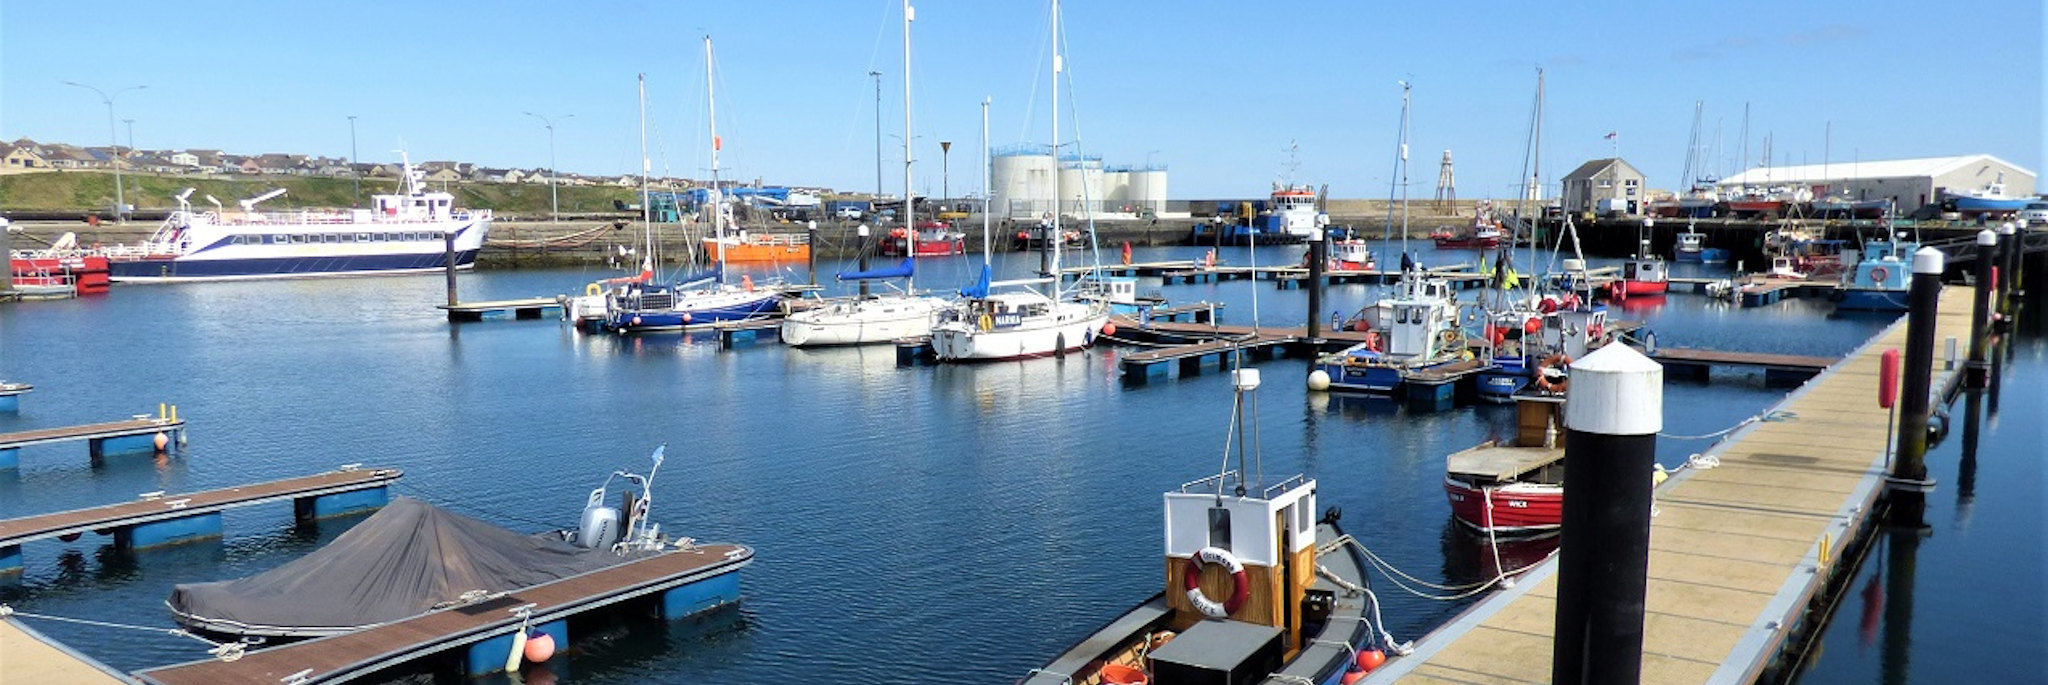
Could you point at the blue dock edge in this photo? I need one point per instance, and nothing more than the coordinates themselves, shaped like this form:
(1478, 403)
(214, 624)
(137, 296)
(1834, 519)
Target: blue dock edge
(10, 402)
(488, 656)
(308, 509)
(146, 443)
(169, 531)
(10, 458)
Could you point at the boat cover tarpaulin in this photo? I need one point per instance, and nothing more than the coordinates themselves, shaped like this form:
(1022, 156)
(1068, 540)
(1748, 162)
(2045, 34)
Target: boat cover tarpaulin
(903, 270)
(405, 560)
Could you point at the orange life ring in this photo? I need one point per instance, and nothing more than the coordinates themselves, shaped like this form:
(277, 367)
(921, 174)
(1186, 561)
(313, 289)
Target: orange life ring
(1556, 360)
(1191, 580)
(1372, 340)
(1877, 274)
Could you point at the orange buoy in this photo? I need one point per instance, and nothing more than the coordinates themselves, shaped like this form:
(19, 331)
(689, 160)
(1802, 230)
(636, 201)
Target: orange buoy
(1371, 659)
(540, 647)
(1109, 329)
(1127, 253)
(161, 441)
(1352, 677)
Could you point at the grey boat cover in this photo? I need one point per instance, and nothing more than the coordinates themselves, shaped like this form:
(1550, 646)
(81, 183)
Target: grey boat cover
(405, 560)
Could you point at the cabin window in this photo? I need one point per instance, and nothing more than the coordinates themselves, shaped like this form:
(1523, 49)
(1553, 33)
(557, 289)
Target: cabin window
(362, 237)
(1219, 527)
(280, 239)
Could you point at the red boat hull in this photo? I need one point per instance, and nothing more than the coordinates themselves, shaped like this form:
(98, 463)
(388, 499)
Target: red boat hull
(1467, 243)
(1521, 508)
(926, 248)
(1634, 288)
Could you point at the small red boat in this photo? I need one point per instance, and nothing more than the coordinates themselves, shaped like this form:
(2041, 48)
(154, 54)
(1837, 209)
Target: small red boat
(1484, 234)
(1513, 489)
(86, 273)
(933, 240)
(1641, 276)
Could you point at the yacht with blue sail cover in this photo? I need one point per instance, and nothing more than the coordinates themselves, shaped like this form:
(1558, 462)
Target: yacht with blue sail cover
(400, 233)
(865, 319)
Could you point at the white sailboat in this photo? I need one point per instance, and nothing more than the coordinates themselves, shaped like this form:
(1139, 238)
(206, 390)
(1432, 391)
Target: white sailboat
(1022, 322)
(876, 318)
(700, 299)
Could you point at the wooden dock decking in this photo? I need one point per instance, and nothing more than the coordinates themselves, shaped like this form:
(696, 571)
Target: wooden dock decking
(1736, 552)
(160, 506)
(354, 654)
(110, 429)
(27, 656)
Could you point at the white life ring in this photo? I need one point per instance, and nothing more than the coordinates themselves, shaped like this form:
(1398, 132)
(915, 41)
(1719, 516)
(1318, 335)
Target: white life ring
(1241, 589)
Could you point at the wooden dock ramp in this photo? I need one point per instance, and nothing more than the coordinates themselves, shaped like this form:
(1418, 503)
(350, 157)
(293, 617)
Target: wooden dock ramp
(1736, 551)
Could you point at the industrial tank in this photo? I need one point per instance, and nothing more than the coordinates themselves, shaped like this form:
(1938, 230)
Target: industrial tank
(1022, 183)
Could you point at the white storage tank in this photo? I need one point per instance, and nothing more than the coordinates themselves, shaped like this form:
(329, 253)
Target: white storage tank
(1116, 189)
(1022, 183)
(1080, 186)
(1148, 189)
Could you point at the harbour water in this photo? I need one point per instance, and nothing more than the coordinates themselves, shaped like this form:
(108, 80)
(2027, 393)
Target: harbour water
(956, 523)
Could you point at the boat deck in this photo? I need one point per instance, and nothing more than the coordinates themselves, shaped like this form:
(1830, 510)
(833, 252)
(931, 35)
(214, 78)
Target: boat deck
(528, 308)
(27, 656)
(342, 657)
(1500, 462)
(1736, 552)
(158, 506)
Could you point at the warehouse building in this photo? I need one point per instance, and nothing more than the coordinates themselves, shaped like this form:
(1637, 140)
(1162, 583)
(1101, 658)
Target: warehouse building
(1908, 183)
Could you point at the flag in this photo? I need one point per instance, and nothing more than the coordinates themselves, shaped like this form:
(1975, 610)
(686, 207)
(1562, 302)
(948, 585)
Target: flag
(1611, 134)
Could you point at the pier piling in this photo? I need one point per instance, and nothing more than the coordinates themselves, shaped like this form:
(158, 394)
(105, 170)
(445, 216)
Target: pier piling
(1318, 252)
(448, 240)
(2008, 243)
(1909, 481)
(1613, 411)
(2015, 247)
(1980, 312)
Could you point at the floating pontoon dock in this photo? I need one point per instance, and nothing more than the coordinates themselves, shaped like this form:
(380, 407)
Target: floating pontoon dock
(159, 519)
(689, 580)
(1737, 552)
(138, 433)
(27, 656)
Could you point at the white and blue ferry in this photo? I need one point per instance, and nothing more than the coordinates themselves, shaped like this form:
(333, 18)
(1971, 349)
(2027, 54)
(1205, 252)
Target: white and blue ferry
(399, 233)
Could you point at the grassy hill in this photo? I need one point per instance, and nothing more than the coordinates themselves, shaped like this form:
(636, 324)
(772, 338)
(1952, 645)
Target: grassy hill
(83, 191)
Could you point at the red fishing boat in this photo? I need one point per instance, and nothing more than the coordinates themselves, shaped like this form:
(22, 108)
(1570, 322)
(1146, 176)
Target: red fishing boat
(1513, 489)
(933, 239)
(1484, 234)
(1641, 276)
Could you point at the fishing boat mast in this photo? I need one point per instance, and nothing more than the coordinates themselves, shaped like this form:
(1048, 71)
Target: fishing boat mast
(909, 197)
(716, 196)
(1536, 178)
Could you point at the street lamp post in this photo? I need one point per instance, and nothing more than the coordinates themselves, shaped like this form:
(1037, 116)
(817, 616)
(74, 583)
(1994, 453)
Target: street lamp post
(354, 172)
(945, 170)
(554, 194)
(120, 203)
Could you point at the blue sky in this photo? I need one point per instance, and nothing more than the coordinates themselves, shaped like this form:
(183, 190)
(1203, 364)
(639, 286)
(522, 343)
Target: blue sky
(1215, 90)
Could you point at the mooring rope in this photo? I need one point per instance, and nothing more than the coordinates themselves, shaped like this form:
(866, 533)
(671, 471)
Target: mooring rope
(1766, 417)
(1458, 592)
(225, 651)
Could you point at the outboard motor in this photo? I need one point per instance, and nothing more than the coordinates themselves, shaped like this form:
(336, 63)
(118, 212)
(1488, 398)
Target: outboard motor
(600, 526)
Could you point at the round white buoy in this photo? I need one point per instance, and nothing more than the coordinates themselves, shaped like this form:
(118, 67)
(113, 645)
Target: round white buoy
(1319, 380)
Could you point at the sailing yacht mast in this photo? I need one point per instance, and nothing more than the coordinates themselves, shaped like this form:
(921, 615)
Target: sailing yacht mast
(717, 196)
(909, 197)
(646, 208)
(1536, 174)
(987, 184)
(1056, 237)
